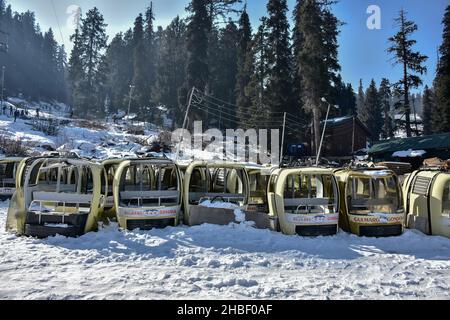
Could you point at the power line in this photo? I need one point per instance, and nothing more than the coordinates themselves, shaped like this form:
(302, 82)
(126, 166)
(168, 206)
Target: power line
(226, 113)
(204, 108)
(57, 21)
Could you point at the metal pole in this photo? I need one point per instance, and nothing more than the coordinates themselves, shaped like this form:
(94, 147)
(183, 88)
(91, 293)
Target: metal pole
(185, 120)
(282, 139)
(129, 101)
(3, 84)
(323, 135)
(353, 136)
(415, 115)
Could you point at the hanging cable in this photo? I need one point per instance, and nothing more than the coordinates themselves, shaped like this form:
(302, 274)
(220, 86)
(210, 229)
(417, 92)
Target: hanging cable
(57, 21)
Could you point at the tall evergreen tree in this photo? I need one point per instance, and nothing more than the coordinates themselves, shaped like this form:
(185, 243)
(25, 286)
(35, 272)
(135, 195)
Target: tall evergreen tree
(92, 41)
(442, 81)
(140, 97)
(371, 114)
(257, 63)
(385, 101)
(197, 70)
(171, 70)
(279, 87)
(152, 55)
(228, 64)
(316, 55)
(428, 110)
(75, 70)
(244, 67)
(49, 62)
(410, 60)
(360, 98)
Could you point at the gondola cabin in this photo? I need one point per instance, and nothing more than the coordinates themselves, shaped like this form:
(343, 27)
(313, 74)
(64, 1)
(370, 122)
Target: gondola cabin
(258, 181)
(147, 194)
(427, 201)
(110, 167)
(56, 196)
(304, 201)
(215, 192)
(8, 171)
(371, 201)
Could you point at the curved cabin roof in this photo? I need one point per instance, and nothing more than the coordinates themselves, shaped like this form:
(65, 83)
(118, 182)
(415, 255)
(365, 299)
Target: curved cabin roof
(12, 159)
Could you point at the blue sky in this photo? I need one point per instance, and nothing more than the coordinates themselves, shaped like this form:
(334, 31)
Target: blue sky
(362, 51)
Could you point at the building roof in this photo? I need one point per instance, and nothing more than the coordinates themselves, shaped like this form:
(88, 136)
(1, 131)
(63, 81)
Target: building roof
(439, 141)
(336, 122)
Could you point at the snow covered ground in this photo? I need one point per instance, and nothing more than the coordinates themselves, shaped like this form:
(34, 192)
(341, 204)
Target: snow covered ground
(231, 262)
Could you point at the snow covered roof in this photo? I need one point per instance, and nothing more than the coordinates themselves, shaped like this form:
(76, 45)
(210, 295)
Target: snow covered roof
(425, 143)
(409, 154)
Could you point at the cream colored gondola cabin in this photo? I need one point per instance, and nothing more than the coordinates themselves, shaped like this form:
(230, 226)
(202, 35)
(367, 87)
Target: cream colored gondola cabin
(427, 201)
(304, 201)
(110, 167)
(8, 171)
(371, 202)
(147, 194)
(258, 181)
(214, 191)
(56, 195)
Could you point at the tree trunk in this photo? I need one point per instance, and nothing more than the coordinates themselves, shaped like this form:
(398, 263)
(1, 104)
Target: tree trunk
(406, 103)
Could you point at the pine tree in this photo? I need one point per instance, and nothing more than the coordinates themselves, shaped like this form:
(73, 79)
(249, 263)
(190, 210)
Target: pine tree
(92, 42)
(61, 62)
(49, 62)
(428, 110)
(171, 70)
(385, 101)
(360, 100)
(197, 70)
(316, 56)
(140, 99)
(279, 87)
(371, 114)
(244, 66)
(257, 62)
(152, 42)
(117, 80)
(75, 70)
(410, 60)
(228, 64)
(442, 81)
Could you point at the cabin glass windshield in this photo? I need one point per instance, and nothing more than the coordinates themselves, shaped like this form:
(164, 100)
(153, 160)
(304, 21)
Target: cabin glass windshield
(446, 199)
(60, 187)
(373, 194)
(310, 193)
(7, 174)
(150, 185)
(217, 184)
(258, 184)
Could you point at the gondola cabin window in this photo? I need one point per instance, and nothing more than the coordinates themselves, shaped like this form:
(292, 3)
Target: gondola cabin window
(217, 184)
(149, 185)
(306, 193)
(446, 199)
(7, 174)
(373, 195)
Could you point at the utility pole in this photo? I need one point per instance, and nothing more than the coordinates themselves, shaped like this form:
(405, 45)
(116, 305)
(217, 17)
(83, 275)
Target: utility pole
(3, 84)
(324, 129)
(129, 101)
(282, 139)
(185, 121)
